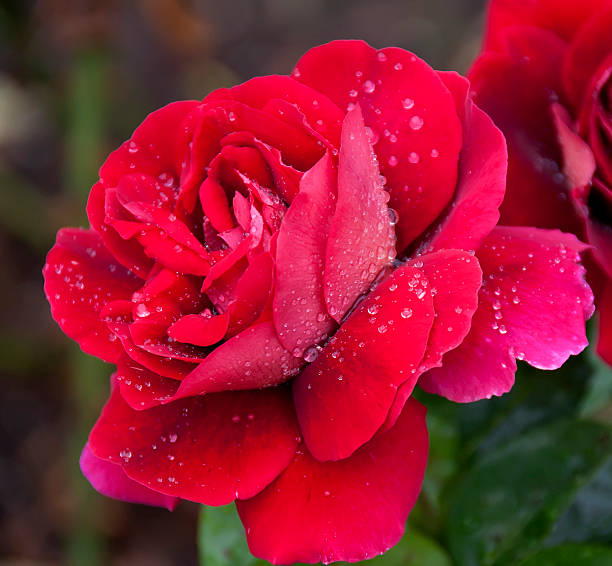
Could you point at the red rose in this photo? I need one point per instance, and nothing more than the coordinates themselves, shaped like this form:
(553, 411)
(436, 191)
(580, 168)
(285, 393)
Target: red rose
(274, 268)
(545, 78)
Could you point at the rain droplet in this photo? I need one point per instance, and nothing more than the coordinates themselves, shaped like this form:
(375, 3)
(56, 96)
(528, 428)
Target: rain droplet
(310, 355)
(408, 103)
(369, 87)
(416, 122)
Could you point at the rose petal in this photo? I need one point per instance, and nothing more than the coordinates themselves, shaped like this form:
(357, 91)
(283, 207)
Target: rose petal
(109, 479)
(532, 64)
(210, 449)
(455, 279)
(300, 316)
(349, 510)
(406, 106)
(140, 387)
(532, 306)
(578, 161)
(564, 17)
(199, 330)
(252, 293)
(118, 315)
(250, 360)
(481, 184)
(589, 48)
(604, 344)
(80, 278)
(361, 240)
(360, 369)
(320, 112)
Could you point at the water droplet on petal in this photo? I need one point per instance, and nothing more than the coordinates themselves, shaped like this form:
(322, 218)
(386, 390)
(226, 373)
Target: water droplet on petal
(407, 103)
(369, 87)
(416, 122)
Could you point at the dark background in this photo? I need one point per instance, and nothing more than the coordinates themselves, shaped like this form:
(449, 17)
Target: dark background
(76, 77)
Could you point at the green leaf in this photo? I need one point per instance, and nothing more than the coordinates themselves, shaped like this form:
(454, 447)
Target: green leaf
(222, 542)
(599, 392)
(571, 555)
(589, 517)
(511, 499)
(221, 538)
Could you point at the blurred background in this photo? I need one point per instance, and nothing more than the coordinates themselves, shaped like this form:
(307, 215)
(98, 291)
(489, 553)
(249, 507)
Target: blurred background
(76, 77)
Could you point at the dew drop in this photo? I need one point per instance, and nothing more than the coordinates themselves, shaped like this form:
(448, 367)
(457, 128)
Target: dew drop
(408, 103)
(369, 87)
(310, 355)
(416, 122)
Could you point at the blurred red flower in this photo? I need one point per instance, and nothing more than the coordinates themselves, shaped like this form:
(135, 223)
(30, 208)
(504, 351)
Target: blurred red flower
(544, 76)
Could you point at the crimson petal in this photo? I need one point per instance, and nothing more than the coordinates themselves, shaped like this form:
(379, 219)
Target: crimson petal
(80, 278)
(250, 360)
(349, 510)
(109, 479)
(406, 106)
(142, 388)
(210, 449)
(482, 180)
(344, 396)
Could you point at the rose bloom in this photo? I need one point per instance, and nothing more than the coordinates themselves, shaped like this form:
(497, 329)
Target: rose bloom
(545, 77)
(273, 270)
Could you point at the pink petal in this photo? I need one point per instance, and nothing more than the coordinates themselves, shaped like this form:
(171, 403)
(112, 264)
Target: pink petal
(210, 449)
(109, 479)
(360, 369)
(80, 278)
(410, 113)
(250, 360)
(361, 239)
(349, 510)
(300, 316)
(532, 306)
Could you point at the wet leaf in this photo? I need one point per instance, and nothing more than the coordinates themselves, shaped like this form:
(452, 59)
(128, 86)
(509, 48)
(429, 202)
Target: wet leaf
(509, 502)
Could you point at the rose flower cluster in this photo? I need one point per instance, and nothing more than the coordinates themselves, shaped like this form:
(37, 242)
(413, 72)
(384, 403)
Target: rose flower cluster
(545, 77)
(274, 269)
